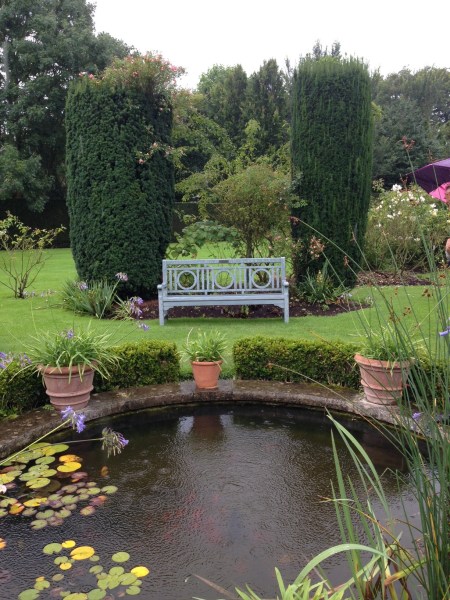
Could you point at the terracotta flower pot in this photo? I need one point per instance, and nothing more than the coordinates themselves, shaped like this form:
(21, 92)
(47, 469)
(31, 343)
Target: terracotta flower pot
(206, 374)
(383, 381)
(65, 387)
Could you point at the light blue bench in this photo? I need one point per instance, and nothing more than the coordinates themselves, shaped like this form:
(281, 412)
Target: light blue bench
(223, 282)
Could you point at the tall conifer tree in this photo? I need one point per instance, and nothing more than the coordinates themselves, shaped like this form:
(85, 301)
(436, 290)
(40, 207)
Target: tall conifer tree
(332, 153)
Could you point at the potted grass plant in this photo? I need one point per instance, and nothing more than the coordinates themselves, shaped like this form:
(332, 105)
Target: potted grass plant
(67, 361)
(205, 351)
(384, 362)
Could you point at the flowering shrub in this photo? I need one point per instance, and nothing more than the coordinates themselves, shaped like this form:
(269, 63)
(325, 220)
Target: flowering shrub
(398, 220)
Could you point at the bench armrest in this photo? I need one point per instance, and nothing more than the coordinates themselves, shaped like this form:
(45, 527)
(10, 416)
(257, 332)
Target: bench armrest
(161, 286)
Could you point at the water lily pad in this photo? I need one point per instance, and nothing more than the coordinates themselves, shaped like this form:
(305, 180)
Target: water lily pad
(53, 548)
(70, 499)
(83, 496)
(69, 544)
(36, 484)
(69, 467)
(5, 502)
(38, 524)
(120, 557)
(29, 512)
(63, 513)
(96, 569)
(10, 476)
(69, 489)
(77, 596)
(58, 577)
(70, 458)
(140, 571)
(93, 491)
(16, 508)
(82, 552)
(55, 521)
(87, 511)
(96, 594)
(133, 590)
(54, 449)
(45, 460)
(25, 457)
(116, 571)
(45, 514)
(42, 585)
(28, 595)
(79, 475)
(109, 489)
(65, 566)
(127, 579)
(34, 502)
(95, 558)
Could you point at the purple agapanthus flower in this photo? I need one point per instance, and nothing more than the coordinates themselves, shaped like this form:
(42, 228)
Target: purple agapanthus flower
(70, 334)
(76, 419)
(122, 276)
(143, 326)
(416, 416)
(83, 286)
(113, 442)
(5, 360)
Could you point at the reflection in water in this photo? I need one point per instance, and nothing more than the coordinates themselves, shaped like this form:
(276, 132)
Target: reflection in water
(227, 493)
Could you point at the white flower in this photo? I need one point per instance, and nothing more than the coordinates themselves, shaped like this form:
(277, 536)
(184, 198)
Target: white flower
(396, 187)
(3, 489)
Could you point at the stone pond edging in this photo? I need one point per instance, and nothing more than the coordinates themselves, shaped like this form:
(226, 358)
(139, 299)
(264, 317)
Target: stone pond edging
(17, 433)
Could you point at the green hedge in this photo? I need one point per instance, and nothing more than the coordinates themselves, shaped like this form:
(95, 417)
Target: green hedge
(144, 363)
(279, 359)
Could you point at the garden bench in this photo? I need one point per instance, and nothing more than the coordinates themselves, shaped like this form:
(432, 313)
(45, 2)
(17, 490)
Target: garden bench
(223, 282)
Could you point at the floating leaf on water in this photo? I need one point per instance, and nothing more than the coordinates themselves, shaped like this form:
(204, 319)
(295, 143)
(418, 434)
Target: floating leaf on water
(3, 512)
(95, 558)
(28, 595)
(5, 502)
(77, 596)
(36, 484)
(99, 501)
(140, 571)
(53, 548)
(38, 524)
(16, 508)
(63, 513)
(69, 467)
(82, 552)
(25, 457)
(34, 502)
(55, 521)
(10, 476)
(128, 579)
(83, 496)
(109, 489)
(69, 544)
(96, 594)
(70, 499)
(58, 577)
(45, 514)
(103, 583)
(79, 475)
(42, 584)
(96, 569)
(70, 458)
(104, 471)
(65, 566)
(87, 511)
(2, 544)
(45, 460)
(69, 489)
(120, 557)
(116, 571)
(54, 449)
(61, 559)
(93, 491)
(133, 590)
(29, 512)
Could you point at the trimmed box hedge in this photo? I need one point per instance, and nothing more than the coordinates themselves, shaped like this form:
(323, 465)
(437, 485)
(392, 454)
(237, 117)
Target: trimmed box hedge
(279, 359)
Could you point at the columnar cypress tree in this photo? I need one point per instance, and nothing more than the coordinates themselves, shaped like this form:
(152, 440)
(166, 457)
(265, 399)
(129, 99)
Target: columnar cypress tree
(332, 150)
(119, 175)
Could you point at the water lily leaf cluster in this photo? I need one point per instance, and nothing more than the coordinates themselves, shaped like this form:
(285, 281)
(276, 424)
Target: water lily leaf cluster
(104, 582)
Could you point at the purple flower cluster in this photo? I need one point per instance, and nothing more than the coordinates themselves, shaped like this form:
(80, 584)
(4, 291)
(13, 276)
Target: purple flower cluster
(70, 334)
(5, 360)
(76, 419)
(121, 276)
(83, 286)
(113, 442)
(135, 307)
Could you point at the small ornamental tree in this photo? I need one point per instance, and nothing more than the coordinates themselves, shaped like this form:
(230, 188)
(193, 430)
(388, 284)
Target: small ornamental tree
(331, 160)
(119, 171)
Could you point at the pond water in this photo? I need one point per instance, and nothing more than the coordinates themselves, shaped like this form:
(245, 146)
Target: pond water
(223, 492)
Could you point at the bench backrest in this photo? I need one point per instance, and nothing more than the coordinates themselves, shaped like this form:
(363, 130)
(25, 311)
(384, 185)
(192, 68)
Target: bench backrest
(234, 275)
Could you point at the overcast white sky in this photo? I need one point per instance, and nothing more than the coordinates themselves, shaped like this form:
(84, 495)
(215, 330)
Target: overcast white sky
(196, 34)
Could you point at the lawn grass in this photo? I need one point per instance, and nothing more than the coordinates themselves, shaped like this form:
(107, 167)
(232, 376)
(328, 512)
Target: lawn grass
(22, 319)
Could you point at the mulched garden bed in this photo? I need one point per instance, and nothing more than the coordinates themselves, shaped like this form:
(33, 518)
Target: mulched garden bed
(297, 308)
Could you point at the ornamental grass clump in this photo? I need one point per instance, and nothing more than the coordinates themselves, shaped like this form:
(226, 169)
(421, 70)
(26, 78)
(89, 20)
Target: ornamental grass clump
(207, 346)
(82, 348)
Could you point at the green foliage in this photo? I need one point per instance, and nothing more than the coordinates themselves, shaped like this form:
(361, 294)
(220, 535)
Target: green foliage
(332, 149)
(320, 288)
(138, 364)
(255, 202)
(23, 253)
(142, 363)
(20, 390)
(83, 348)
(95, 298)
(398, 220)
(120, 179)
(279, 359)
(207, 346)
(199, 234)
(44, 45)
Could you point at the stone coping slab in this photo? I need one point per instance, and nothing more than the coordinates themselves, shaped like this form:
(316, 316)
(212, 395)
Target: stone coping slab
(17, 433)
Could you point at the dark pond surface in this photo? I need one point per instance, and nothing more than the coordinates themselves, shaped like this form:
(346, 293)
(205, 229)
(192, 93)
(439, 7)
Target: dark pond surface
(227, 493)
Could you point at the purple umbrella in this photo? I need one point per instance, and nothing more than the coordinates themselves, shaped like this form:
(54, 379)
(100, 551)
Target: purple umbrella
(433, 178)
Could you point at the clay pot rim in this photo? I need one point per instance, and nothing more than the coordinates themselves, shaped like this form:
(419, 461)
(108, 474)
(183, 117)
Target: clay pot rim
(389, 364)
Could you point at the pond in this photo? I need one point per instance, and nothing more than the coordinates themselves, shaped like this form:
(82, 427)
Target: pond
(224, 492)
